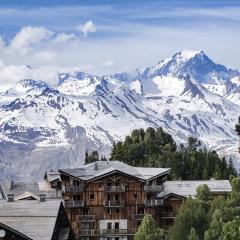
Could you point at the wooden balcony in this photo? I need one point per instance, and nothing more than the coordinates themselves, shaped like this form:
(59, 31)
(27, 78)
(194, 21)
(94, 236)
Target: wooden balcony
(138, 216)
(115, 188)
(107, 232)
(72, 189)
(114, 203)
(154, 188)
(74, 204)
(153, 202)
(86, 218)
(168, 215)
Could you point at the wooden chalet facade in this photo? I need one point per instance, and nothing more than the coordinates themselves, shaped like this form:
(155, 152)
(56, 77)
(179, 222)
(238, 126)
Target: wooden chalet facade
(108, 200)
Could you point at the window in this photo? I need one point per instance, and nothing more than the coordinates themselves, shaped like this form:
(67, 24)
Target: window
(2, 233)
(140, 210)
(116, 225)
(91, 196)
(109, 225)
(117, 238)
(76, 183)
(109, 210)
(135, 195)
(117, 210)
(76, 197)
(85, 211)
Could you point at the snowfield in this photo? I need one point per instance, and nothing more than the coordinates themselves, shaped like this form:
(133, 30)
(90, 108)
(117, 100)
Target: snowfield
(44, 127)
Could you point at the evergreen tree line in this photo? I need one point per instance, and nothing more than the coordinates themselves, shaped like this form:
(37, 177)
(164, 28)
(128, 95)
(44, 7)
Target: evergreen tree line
(156, 148)
(205, 218)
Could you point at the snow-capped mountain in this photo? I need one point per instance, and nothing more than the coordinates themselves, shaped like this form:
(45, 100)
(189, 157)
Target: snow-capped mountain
(43, 126)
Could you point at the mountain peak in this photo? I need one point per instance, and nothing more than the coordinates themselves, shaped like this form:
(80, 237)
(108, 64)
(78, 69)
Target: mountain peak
(188, 54)
(196, 64)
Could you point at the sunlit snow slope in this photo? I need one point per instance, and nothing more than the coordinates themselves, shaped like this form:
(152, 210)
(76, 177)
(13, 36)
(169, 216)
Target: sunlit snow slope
(44, 127)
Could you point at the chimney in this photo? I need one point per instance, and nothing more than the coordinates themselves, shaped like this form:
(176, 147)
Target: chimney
(10, 197)
(95, 166)
(11, 185)
(42, 197)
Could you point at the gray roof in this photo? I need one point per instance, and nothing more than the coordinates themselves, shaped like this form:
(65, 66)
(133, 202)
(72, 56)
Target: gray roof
(97, 169)
(30, 217)
(20, 187)
(188, 188)
(52, 176)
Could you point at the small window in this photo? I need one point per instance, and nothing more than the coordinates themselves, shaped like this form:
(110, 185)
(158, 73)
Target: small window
(109, 210)
(117, 210)
(135, 195)
(117, 238)
(116, 225)
(76, 197)
(109, 225)
(91, 196)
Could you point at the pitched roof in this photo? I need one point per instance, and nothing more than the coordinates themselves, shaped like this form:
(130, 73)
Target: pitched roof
(27, 195)
(100, 168)
(32, 218)
(189, 188)
(20, 187)
(52, 176)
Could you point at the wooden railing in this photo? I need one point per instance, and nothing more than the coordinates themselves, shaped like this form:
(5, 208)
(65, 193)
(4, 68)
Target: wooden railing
(86, 218)
(154, 188)
(168, 215)
(115, 188)
(114, 203)
(138, 216)
(74, 204)
(103, 232)
(153, 202)
(72, 189)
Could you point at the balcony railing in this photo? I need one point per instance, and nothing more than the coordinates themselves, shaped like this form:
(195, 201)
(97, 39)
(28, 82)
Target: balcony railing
(117, 231)
(72, 189)
(168, 215)
(104, 232)
(86, 218)
(153, 202)
(74, 204)
(114, 203)
(115, 188)
(153, 188)
(138, 216)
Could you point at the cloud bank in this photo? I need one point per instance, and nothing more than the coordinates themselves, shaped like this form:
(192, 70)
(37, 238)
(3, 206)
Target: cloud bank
(108, 38)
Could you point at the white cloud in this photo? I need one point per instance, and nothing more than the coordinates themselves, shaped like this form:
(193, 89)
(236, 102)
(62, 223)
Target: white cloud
(46, 55)
(86, 28)
(2, 43)
(109, 64)
(29, 36)
(64, 37)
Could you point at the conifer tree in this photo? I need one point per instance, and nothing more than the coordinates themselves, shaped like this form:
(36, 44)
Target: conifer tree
(193, 235)
(148, 230)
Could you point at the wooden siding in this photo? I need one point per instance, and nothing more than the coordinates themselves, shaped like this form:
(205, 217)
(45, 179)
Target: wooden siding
(103, 204)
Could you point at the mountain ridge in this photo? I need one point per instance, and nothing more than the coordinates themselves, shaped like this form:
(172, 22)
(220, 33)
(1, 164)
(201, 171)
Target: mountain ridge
(54, 125)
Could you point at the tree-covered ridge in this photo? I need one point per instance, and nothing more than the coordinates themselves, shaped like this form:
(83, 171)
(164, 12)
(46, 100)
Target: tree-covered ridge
(156, 148)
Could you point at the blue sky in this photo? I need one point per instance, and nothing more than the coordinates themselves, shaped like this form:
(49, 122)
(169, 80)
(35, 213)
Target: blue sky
(110, 36)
